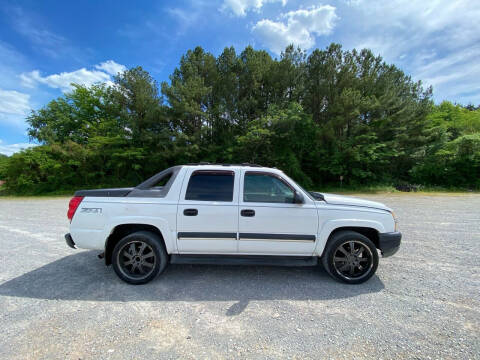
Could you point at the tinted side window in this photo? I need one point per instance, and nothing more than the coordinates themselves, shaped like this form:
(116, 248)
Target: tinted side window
(207, 185)
(158, 185)
(162, 181)
(266, 188)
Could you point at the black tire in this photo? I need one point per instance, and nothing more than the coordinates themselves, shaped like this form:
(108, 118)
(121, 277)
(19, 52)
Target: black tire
(139, 257)
(352, 266)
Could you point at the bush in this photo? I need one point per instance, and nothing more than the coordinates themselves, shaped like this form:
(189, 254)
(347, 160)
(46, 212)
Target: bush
(456, 164)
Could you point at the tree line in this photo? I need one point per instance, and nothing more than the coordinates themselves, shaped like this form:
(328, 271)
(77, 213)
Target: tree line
(331, 114)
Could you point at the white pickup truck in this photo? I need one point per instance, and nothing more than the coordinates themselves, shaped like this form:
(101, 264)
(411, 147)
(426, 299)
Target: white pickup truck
(230, 214)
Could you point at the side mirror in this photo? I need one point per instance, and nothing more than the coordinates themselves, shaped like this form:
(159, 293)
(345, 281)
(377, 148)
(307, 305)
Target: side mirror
(298, 198)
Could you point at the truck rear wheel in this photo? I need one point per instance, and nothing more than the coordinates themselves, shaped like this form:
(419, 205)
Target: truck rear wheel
(139, 257)
(350, 257)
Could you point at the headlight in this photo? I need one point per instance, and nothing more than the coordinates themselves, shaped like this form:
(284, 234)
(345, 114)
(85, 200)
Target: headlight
(395, 220)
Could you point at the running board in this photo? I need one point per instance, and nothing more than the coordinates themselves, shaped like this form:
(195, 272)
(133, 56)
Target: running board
(245, 260)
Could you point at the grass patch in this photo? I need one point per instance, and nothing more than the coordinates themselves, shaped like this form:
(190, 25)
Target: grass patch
(390, 189)
(4, 193)
(356, 189)
(342, 190)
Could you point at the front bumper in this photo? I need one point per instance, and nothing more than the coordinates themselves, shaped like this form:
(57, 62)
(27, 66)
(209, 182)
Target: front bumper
(389, 243)
(69, 241)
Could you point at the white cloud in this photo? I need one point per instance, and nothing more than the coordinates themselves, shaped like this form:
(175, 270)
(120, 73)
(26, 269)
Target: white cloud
(300, 28)
(241, 7)
(111, 67)
(11, 61)
(14, 102)
(437, 41)
(64, 80)
(420, 22)
(82, 76)
(32, 28)
(454, 76)
(9, 149)
(186, 19)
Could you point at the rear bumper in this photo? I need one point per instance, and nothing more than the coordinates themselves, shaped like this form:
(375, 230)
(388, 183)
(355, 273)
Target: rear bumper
(389, 243)
(69, 241)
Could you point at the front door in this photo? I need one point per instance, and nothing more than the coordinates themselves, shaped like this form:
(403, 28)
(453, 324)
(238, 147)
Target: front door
(270, 223)
(207, 215)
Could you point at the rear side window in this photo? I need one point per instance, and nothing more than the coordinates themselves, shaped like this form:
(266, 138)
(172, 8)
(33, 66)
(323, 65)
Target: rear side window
(207, 185)
(163, 181)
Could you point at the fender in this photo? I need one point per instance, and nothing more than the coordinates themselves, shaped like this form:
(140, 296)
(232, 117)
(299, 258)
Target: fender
(159, 222)
(329, 226)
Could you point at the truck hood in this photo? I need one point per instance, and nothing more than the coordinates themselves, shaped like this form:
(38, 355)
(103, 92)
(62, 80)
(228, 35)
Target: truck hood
(353, 201)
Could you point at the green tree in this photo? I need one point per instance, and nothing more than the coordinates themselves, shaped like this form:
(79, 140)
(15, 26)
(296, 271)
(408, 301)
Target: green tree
(284, 138)
(329, 114)
(451, 157)
(3, 166)
(77, 116)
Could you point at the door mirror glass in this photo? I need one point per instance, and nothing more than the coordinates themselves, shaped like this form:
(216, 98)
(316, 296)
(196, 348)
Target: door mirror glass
(299, 199)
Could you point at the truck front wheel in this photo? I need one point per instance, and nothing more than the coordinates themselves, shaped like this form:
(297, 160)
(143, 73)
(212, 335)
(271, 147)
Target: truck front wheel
(350, 257)
(139, 257)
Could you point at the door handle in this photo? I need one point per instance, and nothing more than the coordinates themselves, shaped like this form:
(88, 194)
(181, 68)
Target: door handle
(190, 212)
(247, 213)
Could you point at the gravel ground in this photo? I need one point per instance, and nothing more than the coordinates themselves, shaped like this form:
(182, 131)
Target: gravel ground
(60, 303)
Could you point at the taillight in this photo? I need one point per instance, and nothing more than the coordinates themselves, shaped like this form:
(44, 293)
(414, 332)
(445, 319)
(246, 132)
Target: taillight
(73, 205)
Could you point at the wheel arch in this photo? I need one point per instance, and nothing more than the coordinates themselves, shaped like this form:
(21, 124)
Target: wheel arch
(369, 232)
(370, 229)
(122, 230)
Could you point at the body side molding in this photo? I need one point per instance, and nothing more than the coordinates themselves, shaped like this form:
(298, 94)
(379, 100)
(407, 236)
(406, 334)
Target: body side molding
(277, 237)
(206, 235)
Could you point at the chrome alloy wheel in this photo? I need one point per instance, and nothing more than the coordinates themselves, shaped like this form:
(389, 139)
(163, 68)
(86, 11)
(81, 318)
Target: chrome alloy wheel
(137, 260)
(353, 260)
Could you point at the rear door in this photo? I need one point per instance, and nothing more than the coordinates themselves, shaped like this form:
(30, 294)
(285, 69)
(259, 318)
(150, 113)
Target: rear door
(270, 223)
(207, 216)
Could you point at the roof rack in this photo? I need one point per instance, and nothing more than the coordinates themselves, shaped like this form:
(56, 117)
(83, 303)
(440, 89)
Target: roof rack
(208, 163)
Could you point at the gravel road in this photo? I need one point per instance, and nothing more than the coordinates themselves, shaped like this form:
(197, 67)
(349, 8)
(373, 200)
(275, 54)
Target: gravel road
(60, 303)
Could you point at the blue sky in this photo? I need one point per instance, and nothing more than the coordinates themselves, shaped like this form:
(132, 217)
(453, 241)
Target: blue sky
(45, 45)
